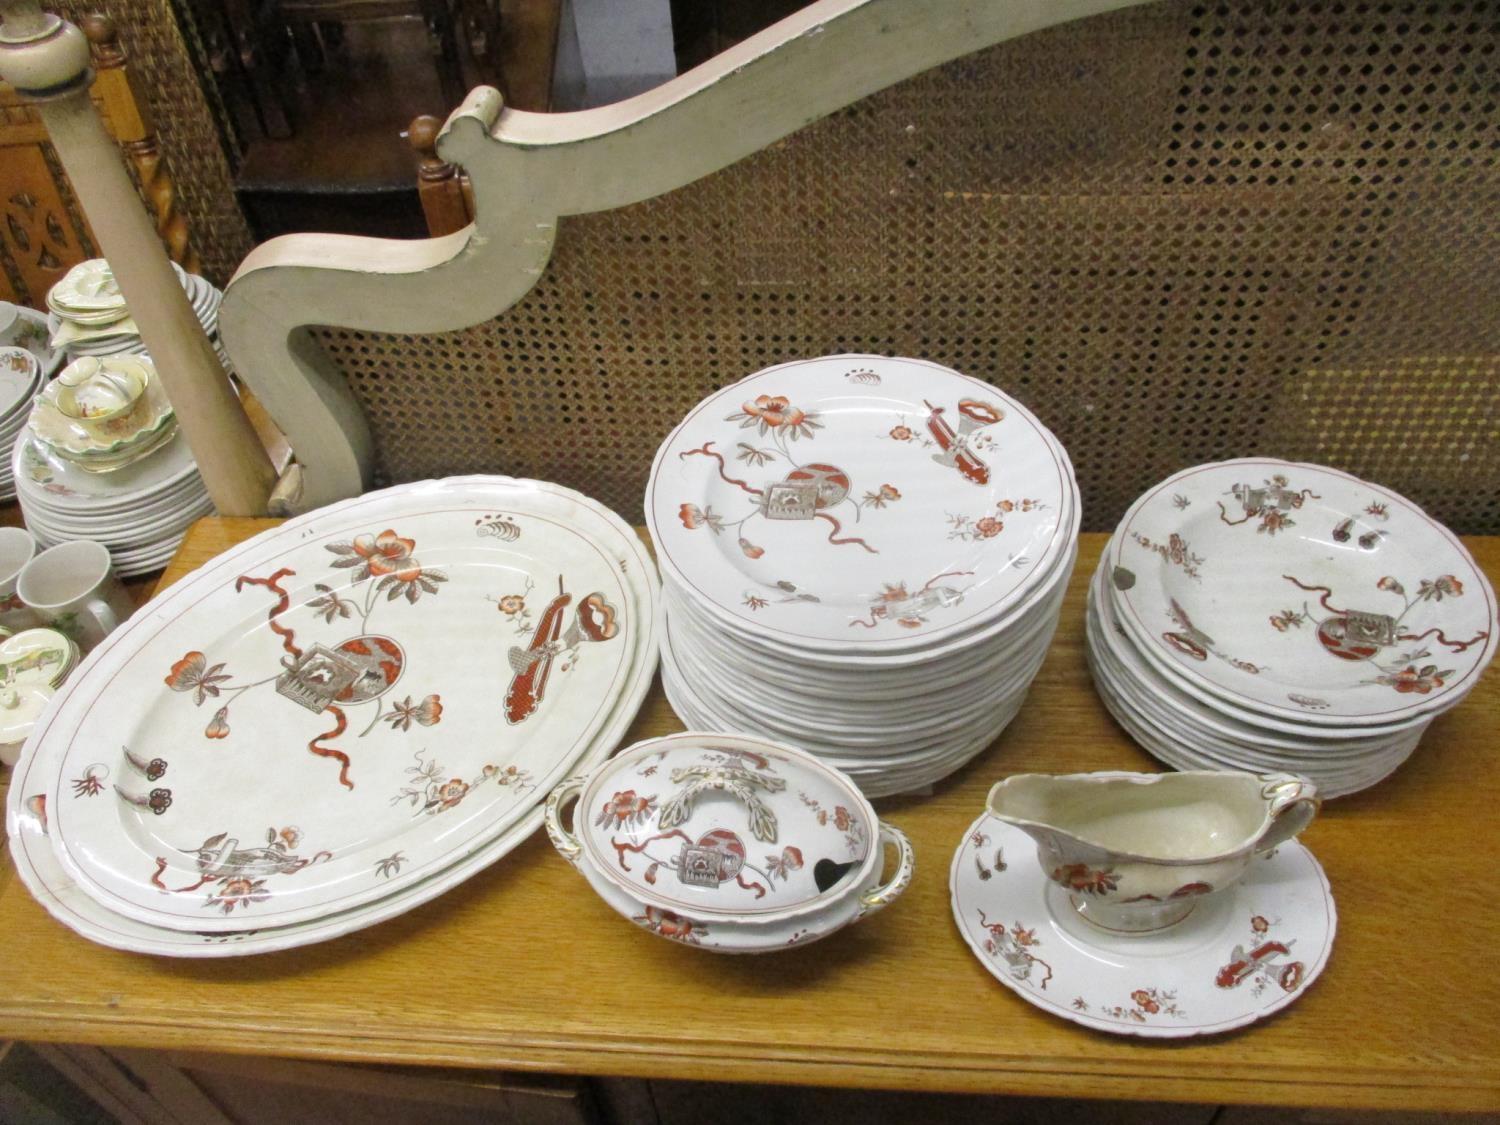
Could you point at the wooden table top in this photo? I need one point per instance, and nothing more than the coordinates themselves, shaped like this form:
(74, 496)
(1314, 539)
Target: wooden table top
(523, 967)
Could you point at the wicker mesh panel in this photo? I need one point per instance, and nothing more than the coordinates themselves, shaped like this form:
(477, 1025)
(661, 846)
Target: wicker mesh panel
(1179, 234)
(156, 55)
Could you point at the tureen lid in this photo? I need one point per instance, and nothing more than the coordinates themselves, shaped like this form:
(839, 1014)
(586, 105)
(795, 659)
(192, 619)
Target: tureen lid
(21, 706)
(715, 825)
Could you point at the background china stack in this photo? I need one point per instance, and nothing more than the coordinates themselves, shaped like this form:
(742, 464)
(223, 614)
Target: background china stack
(1265, 615)
(118, 472)
(864, 557)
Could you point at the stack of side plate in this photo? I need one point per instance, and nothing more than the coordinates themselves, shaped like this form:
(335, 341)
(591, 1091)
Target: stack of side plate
(337, 720)
(140, 511)
(1267, 615)
(863, 557)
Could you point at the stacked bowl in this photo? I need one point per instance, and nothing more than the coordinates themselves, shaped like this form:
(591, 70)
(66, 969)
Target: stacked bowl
(1266, 615)
(863, 557)
(88, 314)
(101, 458)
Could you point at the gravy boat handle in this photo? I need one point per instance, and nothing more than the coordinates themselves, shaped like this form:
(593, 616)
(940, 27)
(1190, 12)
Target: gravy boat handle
(1294, 803)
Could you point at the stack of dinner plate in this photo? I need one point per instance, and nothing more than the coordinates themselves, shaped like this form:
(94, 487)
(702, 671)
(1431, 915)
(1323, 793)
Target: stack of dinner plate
(863, 557)
(20, 380)
(88, 314)
(332, 723)
(1267, 615)
(22, 328)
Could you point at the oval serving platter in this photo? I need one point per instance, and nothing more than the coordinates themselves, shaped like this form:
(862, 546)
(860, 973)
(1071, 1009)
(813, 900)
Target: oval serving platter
(342, 706)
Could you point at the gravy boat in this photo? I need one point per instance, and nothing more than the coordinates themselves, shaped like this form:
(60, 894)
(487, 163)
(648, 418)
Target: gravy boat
(1136, 851)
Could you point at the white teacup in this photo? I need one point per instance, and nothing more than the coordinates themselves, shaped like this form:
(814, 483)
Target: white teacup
(16, 550)
(73, 589)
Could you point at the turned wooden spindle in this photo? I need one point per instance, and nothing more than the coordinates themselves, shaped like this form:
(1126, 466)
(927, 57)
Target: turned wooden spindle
(127, 109)
(440, 187)
(48, 61)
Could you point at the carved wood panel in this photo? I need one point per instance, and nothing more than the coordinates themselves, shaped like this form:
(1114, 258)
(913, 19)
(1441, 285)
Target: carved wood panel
(42, 233)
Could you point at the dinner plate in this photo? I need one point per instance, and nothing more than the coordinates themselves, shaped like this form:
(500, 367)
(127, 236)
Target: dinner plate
(396, 751)
(1303, 593)
(857, 503)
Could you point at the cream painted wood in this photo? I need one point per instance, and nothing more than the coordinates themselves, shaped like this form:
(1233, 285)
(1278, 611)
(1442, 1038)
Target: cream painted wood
(48, 60)
(528, 169)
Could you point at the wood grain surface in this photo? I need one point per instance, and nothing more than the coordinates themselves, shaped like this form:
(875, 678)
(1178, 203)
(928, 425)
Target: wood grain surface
(523, 968)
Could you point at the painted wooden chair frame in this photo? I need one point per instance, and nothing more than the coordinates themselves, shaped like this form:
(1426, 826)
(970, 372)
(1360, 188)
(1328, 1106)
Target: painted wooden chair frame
(528, 169)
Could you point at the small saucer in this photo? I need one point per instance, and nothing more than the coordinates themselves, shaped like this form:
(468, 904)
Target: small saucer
(1240, 956)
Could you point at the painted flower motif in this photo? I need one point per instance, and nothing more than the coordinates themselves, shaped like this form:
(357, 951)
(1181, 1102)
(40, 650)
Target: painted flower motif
(750, 549)
(1291, 976)
(981, 412)
(693, 517)
(1411, 679)
(238, 891)
(988, 527)
(1082, 877)
(193, 673)
(388, 557)
(1023, 936)
(155, 768)
(1391, 585)
(781, 866)
(1379, 511)
(841, 818)
(1259, 924)
(754, 602)
(218, 726)
(1145, 1001)
(774, 411)
(1272, 521)
(670, 925)
(289, 837)
(880, 497)
(512, 604)
(624, 809)
(902, 433)
(403, 714)
(159, 800)
(1438, 588)
(450, 793)
(386, 553)
(1287, 619)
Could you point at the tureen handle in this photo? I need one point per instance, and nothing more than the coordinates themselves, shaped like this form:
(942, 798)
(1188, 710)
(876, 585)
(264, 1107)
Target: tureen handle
(1294, 802)
(564, 841)
(889, 891)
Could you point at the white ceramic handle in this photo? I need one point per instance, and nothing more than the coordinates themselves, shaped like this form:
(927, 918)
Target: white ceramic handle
(564, 841)
(877, 898)
(1294, 803)
(103, 614)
